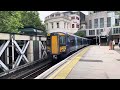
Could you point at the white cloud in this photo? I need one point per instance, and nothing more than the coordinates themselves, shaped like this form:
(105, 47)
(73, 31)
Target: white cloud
(43, 14)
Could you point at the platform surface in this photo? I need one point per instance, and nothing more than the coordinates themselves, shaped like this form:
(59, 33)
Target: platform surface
(97, 63)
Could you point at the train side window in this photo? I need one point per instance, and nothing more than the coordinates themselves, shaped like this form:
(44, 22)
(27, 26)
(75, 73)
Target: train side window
(73, 42)
(68, 39)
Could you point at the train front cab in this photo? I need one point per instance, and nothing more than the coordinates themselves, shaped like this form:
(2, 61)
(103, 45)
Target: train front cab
(56, 44)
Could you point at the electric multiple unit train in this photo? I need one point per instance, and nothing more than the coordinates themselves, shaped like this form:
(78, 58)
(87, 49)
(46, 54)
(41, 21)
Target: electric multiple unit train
(61, 44)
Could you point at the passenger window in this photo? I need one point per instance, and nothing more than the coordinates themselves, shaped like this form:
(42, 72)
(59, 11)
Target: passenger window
(68, 39)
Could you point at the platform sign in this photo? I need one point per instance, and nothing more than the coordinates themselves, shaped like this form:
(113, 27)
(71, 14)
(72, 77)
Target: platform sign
(103, 37)
(43, 38)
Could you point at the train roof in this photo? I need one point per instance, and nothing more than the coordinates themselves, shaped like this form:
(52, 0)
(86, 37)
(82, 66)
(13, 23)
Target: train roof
(71, 34)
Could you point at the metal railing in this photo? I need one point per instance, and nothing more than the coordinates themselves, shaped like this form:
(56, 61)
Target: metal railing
(12, 53)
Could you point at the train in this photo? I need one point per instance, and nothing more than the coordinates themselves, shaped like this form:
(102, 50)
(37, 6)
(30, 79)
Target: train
(60, 44)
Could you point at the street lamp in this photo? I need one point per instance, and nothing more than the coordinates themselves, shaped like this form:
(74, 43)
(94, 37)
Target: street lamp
(96, 39)
(99, 36)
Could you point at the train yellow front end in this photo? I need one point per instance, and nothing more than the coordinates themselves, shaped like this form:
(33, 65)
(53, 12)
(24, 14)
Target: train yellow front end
(56, 44)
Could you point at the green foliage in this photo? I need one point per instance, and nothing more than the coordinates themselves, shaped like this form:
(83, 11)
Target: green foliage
(11, 21)
(80, 33)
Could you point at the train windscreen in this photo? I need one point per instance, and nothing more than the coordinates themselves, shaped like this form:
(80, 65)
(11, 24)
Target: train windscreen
(62, 40)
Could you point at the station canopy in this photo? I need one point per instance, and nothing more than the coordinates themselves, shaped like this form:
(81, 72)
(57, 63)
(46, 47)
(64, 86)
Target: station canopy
(31, 31)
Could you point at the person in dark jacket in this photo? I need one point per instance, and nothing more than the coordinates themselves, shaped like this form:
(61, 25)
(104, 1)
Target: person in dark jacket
(110, 45)
(119, 43)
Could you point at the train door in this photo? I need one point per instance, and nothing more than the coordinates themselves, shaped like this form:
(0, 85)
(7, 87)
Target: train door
(68, 43)
(76, 43)
(54, 44)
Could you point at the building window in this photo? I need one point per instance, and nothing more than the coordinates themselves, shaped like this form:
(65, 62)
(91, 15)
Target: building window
(108, 21)
(91, 32)
(57, 14)
(95, 23)
(52, 25)
(52, 15)
(72, 17)
(77, 25)
(73, 26)
(96, 11)
(116, 22)
(116, 30)
(77, 18)
(90, 24)
(57, 25)
(101, 30)
(101, 22)
(97, 31)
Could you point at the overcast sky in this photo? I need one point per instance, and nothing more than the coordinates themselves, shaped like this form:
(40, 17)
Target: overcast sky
(43, 14)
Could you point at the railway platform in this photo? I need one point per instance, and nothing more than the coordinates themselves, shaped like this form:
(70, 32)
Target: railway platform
(92, 62)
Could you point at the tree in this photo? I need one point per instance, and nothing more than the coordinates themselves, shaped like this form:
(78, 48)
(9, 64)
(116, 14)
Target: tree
(31, 18)
(10, 21)
(80, 33)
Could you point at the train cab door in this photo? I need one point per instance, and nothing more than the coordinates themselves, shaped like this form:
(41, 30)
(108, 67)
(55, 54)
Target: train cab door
(54, 44)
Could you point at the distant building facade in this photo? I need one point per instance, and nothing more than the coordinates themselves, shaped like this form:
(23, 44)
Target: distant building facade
(95, 24)
(102, 23)
(64, 22)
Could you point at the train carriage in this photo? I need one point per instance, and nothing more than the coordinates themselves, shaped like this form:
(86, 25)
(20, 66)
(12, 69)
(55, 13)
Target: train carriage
(60, 44)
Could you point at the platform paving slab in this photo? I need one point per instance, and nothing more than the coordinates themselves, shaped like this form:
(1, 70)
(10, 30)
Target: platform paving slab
(108, 68)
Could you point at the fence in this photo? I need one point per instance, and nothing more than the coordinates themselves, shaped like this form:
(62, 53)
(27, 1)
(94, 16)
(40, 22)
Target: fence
(16, 50)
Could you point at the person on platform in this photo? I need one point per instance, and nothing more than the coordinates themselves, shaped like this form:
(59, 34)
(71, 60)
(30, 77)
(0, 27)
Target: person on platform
(110, 45)
(113, 43)
(119, 43)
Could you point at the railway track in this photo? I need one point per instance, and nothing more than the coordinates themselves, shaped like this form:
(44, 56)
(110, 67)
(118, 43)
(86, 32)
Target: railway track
(29, 72)
(32, 71)
(36, 72)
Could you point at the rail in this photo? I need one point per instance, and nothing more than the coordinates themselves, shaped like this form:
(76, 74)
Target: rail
(45, 74)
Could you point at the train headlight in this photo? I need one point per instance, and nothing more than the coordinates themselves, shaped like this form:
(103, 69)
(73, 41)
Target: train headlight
(63, 50)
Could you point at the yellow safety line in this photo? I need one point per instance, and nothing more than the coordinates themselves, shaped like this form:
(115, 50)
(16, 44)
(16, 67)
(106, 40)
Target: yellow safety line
(61, 68)
(63, 71)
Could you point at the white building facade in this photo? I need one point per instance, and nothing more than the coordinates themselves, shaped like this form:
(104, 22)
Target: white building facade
(101, 23)
(59, 22)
